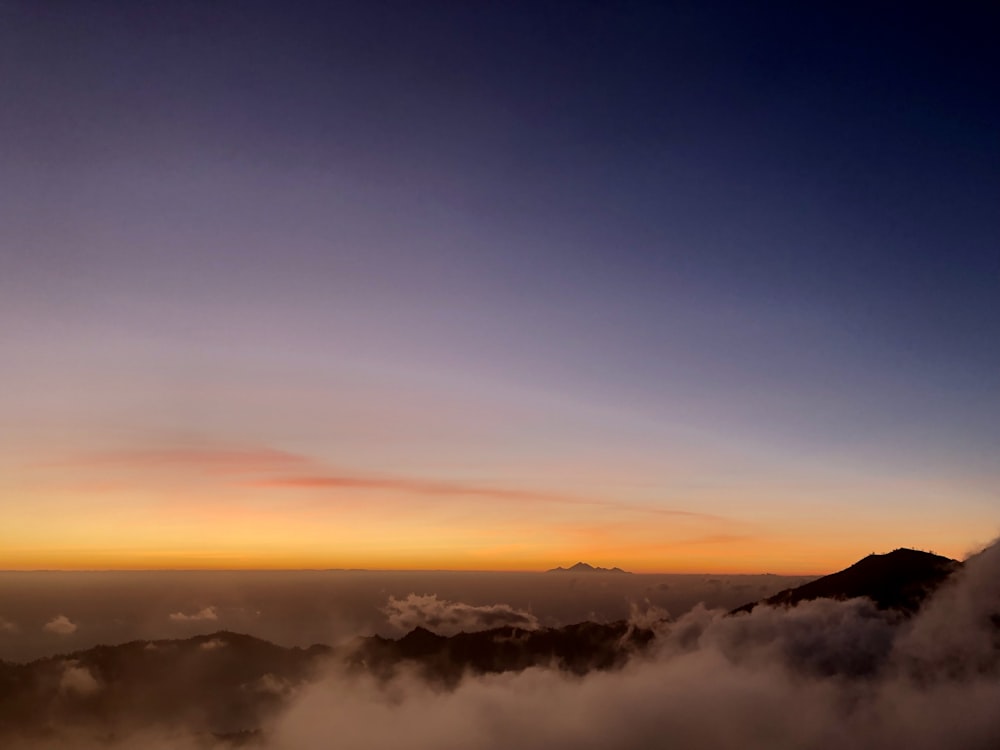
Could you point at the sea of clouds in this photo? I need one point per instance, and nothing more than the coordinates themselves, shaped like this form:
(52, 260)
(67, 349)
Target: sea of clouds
(825, 674)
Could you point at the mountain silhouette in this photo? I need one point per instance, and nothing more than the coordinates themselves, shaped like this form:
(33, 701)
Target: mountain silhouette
(898, 580)
(226, 685)
(578, 648)
(582, 567)
(221, 684)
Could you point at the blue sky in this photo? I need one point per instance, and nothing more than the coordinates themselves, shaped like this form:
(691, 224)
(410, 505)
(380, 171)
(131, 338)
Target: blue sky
(513, 243)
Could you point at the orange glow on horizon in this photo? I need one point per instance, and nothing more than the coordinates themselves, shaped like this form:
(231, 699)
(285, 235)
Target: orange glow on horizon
(243, 509)
(768, 558)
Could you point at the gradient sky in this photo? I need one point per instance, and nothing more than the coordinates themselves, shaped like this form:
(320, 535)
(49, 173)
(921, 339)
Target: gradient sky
(670, 286)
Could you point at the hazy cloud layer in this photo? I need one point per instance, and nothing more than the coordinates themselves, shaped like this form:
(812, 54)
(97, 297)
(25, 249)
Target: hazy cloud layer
(6, 626)
(265, 467)
(269, 684)
(445, 489)
(447, 618)
(304, 607)
(825, 675)
(77, 679)
(647, 615)
(60, 625)
(206, 614)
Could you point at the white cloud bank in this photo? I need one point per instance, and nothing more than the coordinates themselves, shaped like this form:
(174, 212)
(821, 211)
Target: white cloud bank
(825, 675)
(60, 625)
(206, 614)
(77, 679)
(447, 617)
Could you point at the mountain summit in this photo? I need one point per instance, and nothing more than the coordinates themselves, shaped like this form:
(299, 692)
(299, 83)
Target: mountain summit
(582, 567)
(900, 580)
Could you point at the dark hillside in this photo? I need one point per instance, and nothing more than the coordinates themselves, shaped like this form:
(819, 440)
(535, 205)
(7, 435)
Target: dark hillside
(899, 580)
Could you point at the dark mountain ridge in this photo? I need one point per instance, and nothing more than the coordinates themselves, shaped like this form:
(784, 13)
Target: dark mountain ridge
(899, 580)
(219, 683)
(582, 567)
(228, 684)
(578, 648)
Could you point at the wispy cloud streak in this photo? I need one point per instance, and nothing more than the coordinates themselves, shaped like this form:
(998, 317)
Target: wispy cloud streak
(440, 488)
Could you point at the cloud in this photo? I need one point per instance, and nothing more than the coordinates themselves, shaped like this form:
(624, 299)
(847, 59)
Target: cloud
(423, 487)
(824, 675)
(447, 618)
(212, 645)
(6, 626)
(265, 467)
(647, 615)
(439, 488)
(60, 625)
(208, 613)
(269, 684)
(959, 630)
(77, 679)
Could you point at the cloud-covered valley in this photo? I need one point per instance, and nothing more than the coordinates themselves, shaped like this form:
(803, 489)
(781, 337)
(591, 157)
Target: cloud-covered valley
(823, 674)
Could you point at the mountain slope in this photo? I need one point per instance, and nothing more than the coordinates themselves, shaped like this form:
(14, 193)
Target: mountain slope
(577, 648)
(899, 580)
(227, 684)
(221, 683)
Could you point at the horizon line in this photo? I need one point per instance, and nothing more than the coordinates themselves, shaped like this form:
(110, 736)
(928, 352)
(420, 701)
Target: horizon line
(396, 570)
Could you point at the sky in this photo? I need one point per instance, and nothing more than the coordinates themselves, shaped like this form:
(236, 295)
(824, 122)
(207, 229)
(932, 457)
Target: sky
(670, 286)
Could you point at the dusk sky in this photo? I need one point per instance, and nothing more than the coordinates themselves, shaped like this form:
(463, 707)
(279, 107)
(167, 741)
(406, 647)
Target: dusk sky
(471, 285)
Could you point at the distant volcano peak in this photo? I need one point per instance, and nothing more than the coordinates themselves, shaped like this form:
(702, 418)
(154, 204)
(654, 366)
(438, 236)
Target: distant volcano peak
(582, 567)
